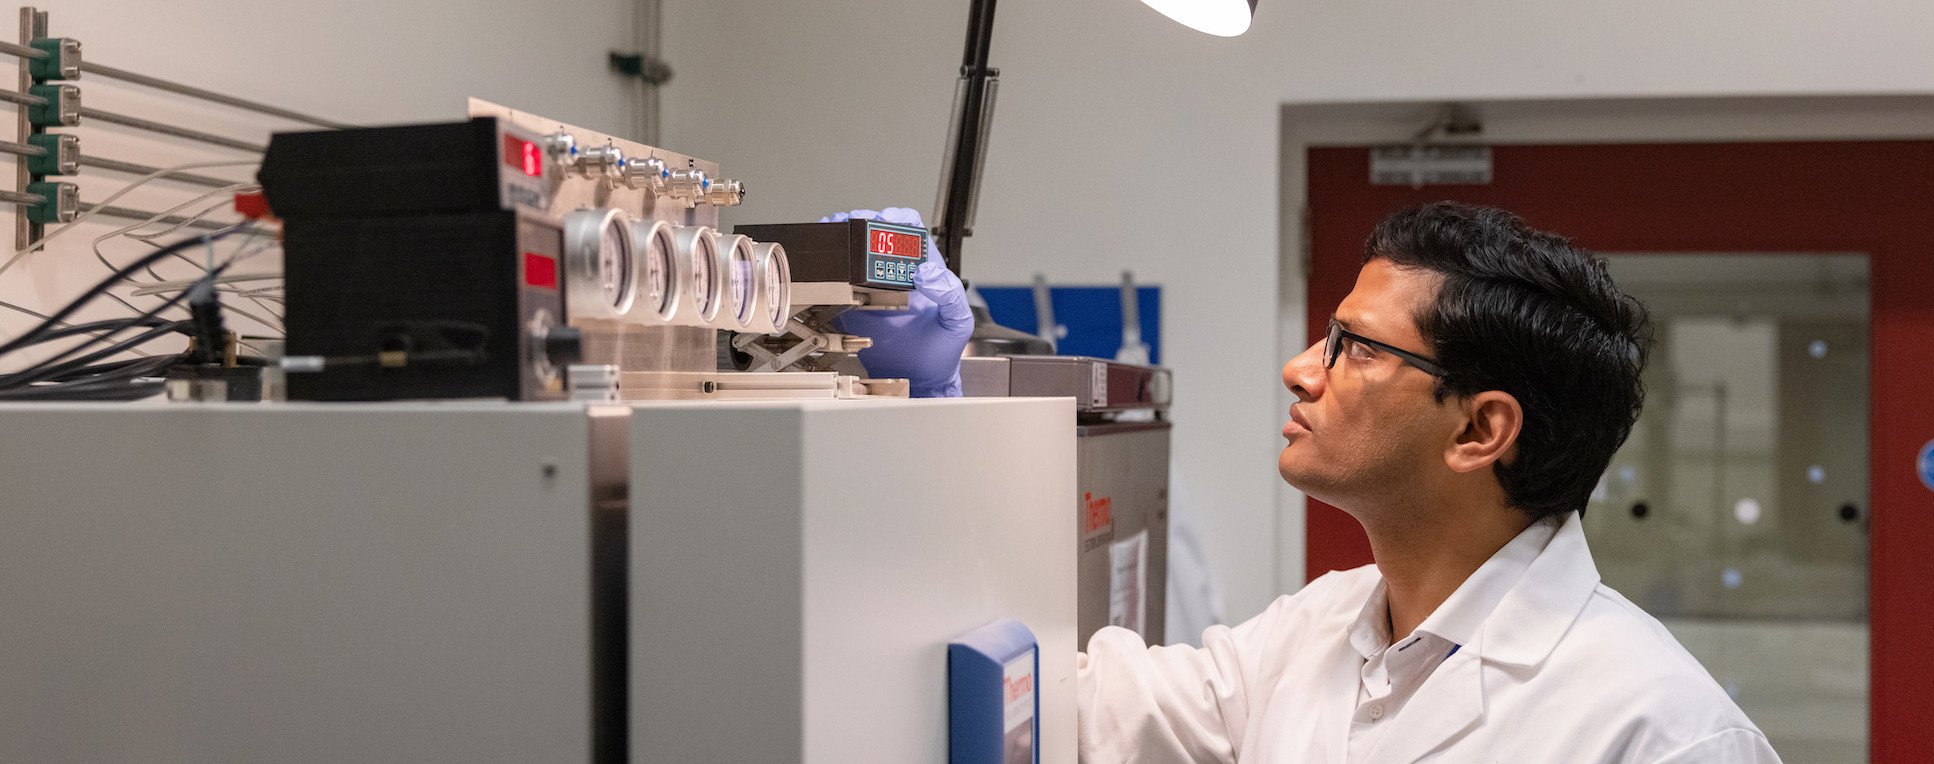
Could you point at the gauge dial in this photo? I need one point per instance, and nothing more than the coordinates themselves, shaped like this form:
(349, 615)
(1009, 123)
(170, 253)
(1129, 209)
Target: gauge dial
(601, 268)
(615, 266)
(704, 283)
(736, 253)
(775, 283)
(661, 292)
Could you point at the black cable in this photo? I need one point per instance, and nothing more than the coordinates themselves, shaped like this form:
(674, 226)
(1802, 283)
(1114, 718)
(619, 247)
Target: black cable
(111, 280)
(143, 319)
(42, 371)
(114, 385)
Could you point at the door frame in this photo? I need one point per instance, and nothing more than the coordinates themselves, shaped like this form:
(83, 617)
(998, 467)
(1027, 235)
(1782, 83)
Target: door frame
(1672, 182)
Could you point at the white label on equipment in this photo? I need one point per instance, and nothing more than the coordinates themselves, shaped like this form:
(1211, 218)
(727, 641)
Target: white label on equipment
(1417, 166)
(1100, 396)
(1128, 582)
(1017, 690)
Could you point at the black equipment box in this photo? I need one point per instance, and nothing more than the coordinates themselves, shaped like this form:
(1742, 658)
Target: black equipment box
(864, 253)
(418, 264)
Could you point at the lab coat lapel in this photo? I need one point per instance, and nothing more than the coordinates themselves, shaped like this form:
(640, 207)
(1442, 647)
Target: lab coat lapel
(1339, 693)
(1448, 703)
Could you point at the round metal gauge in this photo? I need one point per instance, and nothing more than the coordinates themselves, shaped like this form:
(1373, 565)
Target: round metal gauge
(697, 257)
(735, 257)
(600, 265)
(658, 289)
(775, 287)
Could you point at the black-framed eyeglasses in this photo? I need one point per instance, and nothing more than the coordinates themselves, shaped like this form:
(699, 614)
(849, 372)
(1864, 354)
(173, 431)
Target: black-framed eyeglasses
(1334, 345)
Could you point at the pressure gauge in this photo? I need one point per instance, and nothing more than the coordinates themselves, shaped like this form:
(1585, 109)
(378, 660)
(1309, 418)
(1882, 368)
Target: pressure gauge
(775, 288)
(659, 288)
(600, 264)
(696, 253)
(735, 259)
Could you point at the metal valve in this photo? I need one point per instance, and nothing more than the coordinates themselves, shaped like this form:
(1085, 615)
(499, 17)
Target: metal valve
(605, 161)
(725, 193)
(648, 174)
(562, 148)
(688, 185)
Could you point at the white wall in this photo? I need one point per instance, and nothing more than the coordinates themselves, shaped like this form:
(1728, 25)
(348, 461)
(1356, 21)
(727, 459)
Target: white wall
(1125, 141)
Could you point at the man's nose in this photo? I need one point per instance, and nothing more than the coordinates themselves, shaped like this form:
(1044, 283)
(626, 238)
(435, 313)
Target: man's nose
(1304, 374)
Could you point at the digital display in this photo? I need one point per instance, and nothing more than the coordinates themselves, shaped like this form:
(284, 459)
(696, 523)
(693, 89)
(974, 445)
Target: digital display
(895, 243)
(524, 156)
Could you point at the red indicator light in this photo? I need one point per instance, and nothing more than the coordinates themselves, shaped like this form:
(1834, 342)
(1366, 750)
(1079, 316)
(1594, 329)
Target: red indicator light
(523, 156)
(540, 271)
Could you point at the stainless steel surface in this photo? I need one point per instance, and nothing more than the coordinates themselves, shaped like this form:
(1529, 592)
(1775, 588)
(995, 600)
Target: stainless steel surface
(307, 583)
(647, 174)
(984, 377)
(1121, 514)
(141, 169)
(686, 185)
(206, 95)
(725, 193)
(166, 129)
(1097, 385)
(604, 162)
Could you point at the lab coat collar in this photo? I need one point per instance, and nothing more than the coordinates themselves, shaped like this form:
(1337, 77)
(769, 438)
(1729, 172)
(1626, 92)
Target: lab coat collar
(1523, 629)
(1537, 612)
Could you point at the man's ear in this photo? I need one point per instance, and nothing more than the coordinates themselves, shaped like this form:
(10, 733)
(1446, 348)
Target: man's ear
(1492, 420)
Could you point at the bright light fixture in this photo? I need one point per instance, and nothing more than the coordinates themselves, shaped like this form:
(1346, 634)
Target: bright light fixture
(1222, 18)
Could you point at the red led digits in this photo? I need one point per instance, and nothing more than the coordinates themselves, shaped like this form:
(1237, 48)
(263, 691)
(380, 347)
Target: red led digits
(523, 155)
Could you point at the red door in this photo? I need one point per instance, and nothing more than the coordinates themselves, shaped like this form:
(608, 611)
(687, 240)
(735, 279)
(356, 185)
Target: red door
(1872, 197)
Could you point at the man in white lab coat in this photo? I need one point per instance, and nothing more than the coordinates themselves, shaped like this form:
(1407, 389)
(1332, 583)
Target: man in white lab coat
(1470, 391)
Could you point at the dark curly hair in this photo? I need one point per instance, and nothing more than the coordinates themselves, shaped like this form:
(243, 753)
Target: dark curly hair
(1529, 313)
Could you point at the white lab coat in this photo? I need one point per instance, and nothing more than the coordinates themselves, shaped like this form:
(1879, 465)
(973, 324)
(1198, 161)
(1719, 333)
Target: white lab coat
(1563, 670)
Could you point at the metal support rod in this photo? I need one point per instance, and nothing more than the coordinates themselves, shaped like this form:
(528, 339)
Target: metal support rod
(22, 149)
(206, 95)
(22, 51)
(21, 197)
(33, 26)
(961, 174)
(131, 168)
(179, 132)
(133, 214)
(24, 99)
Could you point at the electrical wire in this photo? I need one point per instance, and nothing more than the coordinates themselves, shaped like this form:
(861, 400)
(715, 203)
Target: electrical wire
(110, 281)
(98, 206)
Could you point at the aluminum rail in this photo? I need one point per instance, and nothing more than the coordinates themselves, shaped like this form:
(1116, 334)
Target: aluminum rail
(176, 87)
(206, 95)
(115, 165)
(24, 99)
(131, 168)
(133, 214)
(166, 129)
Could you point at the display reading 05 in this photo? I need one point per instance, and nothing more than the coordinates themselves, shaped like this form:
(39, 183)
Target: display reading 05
(895, 243)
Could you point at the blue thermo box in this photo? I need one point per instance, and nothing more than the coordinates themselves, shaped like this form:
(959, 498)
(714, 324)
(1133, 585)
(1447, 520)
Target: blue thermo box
(993, 696)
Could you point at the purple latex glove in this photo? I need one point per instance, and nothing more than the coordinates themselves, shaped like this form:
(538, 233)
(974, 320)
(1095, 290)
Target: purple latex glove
(921, 344)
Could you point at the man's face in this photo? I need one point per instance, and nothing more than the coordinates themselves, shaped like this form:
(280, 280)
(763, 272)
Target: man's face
(1369, 427)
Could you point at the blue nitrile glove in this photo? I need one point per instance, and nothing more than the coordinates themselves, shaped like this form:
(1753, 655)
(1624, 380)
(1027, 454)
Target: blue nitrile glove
(921, 344)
